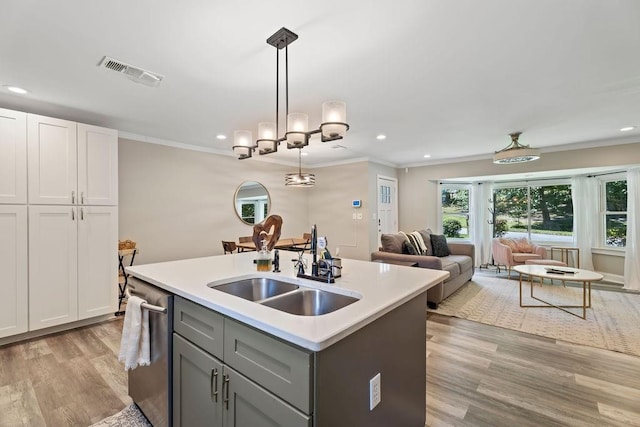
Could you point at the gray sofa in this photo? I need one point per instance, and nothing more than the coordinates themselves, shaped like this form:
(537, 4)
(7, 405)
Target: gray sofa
(460, 263)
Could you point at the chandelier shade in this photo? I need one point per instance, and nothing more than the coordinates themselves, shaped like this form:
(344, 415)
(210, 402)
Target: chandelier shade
(297, 133)
(515, 152)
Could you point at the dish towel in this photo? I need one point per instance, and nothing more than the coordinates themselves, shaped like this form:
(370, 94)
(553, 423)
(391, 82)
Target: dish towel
(134, 346)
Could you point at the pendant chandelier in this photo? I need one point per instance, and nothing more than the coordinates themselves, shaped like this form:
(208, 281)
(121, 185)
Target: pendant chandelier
(300, 179)
(332, 128)
(516, 152)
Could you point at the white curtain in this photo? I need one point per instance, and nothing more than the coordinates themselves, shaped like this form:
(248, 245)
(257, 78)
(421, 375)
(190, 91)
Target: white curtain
(481, 202)
(584, 193)
(632, 253)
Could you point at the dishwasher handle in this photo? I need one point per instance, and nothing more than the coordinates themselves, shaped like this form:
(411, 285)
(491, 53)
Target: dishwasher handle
(150, 307)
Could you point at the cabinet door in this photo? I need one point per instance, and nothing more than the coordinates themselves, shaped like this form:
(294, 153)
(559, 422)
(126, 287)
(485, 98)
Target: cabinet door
(97, 165)
(53, 266)
(13, 265)
(97, 260)
(197, 386)
(52, 160)
(13, 156)
(249, 405)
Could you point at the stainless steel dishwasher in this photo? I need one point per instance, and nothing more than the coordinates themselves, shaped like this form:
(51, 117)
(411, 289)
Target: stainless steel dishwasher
(150, 386)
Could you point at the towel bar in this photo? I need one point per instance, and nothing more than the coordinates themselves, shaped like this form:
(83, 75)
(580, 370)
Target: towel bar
(150, 307)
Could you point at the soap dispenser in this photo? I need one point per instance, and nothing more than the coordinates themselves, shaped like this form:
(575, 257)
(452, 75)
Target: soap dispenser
(264, 258)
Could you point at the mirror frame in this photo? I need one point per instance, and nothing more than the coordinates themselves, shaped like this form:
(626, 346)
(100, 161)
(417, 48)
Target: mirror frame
(235, 201)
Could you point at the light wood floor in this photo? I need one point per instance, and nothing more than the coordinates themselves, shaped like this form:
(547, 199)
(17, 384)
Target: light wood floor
(481, 375)
(477, 375)
(68, 379)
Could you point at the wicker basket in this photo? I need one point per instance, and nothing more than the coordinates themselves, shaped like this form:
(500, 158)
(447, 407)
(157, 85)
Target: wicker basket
(126, 244)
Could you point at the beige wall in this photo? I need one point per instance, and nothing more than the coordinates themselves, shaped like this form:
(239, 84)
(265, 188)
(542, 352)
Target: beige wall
(178, 203)
(417, 187)
(330, 208)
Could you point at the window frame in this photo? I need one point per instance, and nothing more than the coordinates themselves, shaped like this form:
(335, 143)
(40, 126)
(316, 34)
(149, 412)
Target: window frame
(457, 186)
(602, 234)
(528, 185)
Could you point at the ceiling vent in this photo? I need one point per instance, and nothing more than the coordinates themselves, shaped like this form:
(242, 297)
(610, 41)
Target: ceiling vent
(136, 74)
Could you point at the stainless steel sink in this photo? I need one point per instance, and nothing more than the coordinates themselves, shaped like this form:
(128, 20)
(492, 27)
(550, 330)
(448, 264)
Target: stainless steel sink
(309, 302)
(255, 289)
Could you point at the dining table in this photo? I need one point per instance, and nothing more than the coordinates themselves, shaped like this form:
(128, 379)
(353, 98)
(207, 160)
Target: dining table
(291, 243)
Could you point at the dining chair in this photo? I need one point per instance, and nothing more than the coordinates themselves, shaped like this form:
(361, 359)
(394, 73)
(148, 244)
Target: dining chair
(229, 247)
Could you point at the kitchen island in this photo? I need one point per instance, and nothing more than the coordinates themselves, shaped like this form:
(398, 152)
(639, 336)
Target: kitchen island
(340, 352)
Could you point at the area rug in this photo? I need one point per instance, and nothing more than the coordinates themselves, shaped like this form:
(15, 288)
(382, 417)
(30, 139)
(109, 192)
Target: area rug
(613, 322)
(128, 417)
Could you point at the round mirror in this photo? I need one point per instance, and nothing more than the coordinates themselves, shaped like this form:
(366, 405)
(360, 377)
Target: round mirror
(252, 202)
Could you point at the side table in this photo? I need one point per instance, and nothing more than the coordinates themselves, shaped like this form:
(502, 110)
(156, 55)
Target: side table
(564, 254)
(122, 287)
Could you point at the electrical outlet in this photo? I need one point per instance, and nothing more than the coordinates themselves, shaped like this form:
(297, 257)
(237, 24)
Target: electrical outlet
(375, 392)
(355, 215)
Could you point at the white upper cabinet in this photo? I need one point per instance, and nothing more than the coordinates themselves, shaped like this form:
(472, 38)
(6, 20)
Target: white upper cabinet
(52, 153)
(97, 165)
(13, 268)
(13, 157)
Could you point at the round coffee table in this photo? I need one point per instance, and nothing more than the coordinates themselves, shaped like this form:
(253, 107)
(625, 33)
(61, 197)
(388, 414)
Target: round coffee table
(572, 274)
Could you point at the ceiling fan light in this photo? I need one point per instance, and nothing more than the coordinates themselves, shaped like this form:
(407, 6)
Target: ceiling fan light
(516, 152)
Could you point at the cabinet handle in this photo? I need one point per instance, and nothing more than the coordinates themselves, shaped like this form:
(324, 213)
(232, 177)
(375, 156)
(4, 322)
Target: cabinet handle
(73, 214)
(82, 198)
(73, 197)
(225, 382)
(214, 384)
(82, 214)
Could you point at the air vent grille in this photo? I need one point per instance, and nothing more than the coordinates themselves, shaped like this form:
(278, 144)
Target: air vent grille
(133, 73)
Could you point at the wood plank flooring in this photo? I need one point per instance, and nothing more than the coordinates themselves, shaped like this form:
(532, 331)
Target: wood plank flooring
(481, 375)
(71, 378)
(477, 375)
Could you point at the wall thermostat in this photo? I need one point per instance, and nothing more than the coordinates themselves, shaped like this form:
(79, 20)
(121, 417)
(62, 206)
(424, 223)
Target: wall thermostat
(356, 203)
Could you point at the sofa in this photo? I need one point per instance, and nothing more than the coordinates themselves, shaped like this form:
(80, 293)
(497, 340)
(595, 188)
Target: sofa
(511, 252)
(459, 263)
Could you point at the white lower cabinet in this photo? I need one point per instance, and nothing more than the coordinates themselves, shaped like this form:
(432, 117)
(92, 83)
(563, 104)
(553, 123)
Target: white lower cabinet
(13, 270)
(97, 261)
(72, 274)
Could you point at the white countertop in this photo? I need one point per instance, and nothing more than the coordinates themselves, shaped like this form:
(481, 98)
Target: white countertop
(380, 287)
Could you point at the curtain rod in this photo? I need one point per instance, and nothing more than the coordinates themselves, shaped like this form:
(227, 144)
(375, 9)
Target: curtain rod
(595, 175)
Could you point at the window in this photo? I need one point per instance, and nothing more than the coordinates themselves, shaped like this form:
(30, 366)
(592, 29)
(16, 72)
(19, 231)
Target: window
(455, 211)
(541, 213)
(615, 213)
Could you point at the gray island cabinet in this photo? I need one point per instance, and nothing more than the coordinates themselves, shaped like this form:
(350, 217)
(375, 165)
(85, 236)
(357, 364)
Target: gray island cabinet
(239, 363)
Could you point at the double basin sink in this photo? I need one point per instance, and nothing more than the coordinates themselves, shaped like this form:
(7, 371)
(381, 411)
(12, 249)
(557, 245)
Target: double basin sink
(285, 296)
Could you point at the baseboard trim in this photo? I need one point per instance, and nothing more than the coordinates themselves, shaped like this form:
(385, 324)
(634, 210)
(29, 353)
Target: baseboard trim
(55, 329)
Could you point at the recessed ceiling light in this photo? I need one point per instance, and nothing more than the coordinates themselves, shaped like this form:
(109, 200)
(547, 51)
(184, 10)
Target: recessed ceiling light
(627, 129)
(221, 136)
(16, 89)
(426, 156)
(381, 137)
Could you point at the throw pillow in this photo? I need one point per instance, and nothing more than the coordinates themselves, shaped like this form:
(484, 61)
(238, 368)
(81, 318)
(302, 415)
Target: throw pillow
(440, 247)
(426, 237)
(523, 246)
(392, 242)
(512, 244)
(416, 240)
(408, 248)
